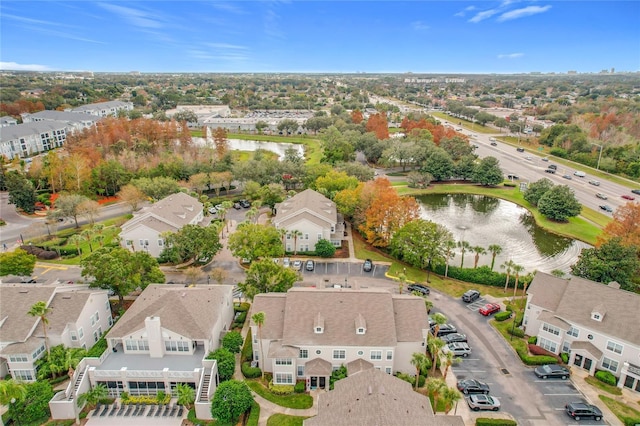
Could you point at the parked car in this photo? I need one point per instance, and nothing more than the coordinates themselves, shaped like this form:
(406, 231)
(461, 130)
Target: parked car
(470, 296)
(582, 410)
(237, 205)
(628, 197)
(606, 208)
(483, 402)
(594, 183)
(454, 337)
(286, 262)
(28, 281)
(310, 265)
(489, 308)
(422, 289)
(245, 204)
(471, 386)
(553, 166)
(212, 210)
(368, 265)
(444, 329)
(636, 191)
(520, 149)
(512, 176)
(459, 349)
(552, 370)
(297, 265)
(601, 196)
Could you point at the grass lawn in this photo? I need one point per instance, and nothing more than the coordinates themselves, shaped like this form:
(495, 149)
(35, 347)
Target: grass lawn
(313, 151)
(285, 420)
(614, 390)
(468, 125)
(577, 227)
(295, 400)
(624, 412)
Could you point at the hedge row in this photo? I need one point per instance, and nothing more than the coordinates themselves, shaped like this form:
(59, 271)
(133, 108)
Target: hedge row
(502, 316)
(250, 372)
(479, 275)
(281, 389)
(483, 421)
(247, 349)
(606, 377)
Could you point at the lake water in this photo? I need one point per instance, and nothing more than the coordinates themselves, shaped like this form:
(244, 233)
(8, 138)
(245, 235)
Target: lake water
(248, 145)
(483, 221)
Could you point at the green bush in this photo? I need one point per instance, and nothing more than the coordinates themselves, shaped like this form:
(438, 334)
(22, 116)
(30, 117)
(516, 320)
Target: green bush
(502, 316)
(241, 307)
(281, 389)
(483, 421)
(300, 386)
(98, 349)
(250, 372)
(412, 379)
(254, 415)
(479, 275)
(232, 341)
(606, 377)
(247, 349)
(565, 357)
(517, 332)
(239, 321)
(533, 340)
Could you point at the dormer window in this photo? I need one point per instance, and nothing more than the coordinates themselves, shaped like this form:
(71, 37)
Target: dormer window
(319, 330)
(361, 324)
(598, 313)
(360, 330)
(596, 316)
(318, 326)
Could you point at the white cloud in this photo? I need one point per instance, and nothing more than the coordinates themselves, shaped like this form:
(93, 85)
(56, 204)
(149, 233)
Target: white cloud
(272, 24)
(481, 16)
(510, 55)
(135, 17)
(419, 26)
(464, 11)
(13, 66)
(228, 7)
(521, 13)
(226, 46)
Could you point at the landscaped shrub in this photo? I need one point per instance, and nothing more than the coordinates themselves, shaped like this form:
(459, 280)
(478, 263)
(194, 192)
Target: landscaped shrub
(502, 316)
(232, 341)
(281, 389)
(606, 377)
(250, 372)
(537, 350)
(412, 379)
(239, 321)
(518, 332)
(483, 421)
(254, 414)
(300, 386)
(98, 349)
(241, 307)
(565, 357)
(510, 184)
(479, 275)
(247, 349)
(533, 340)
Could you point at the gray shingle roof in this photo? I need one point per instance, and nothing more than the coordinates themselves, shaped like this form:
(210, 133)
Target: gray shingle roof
(574, 300)
(66, 308)
(15, 301)
(169, 214)
(586, 346)
(188, 311)
(389, 318)
(10, 133)
(99, 105)
(374, 398)
(308, 201)
(69, 117)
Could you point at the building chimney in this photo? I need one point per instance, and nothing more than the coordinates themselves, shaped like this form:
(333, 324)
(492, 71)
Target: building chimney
(154, 334)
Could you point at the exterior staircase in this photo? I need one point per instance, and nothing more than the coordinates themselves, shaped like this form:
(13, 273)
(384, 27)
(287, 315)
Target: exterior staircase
(205, 387)
(77, 385)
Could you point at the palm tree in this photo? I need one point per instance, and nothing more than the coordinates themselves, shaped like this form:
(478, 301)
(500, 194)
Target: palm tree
(428, 304)
(449, 359)
(450, 396)
(478, 251)
(435, 387)
(258, 318)
(421, 362)
(508, 265)
(87, 234)
(10, 392)
(283, 235)
(516, 270)
(40, 310)
(438, 319)
(448, 255)
(97, 229)
(464, 245)
(226, 205)
(295, 234)
(434, 345)
(495, 250)
(402, 280)
(93, 396)
(252, 214)
(186, 395)
(72, 358)
(77, 240)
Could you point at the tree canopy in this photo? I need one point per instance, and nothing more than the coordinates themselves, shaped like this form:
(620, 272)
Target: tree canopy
(17, 262)
(252, 241)
(231, 400)
(612, 261)
(266, 276)
(488, 172)
(536, 190)
(421, 243)
(559, 203)
(192, 242)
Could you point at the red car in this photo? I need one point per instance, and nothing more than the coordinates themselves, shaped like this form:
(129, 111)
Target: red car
(489, 308)
(628, 197)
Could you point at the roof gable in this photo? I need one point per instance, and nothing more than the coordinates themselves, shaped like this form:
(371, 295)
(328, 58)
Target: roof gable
(308, 201)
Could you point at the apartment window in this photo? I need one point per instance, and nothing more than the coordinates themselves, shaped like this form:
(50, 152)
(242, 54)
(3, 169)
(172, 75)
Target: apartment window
(74, 336)
(96, 336)
(80, 333)
(97, 317)
(360, 330)
(319, 237)
(304, 353)
(566, 347)
(610, 364)
(283, 378)
(93, 321)
(129, 242)
(376, 355)
(306, 236)
(389, 355)
(23, 374)
(18, 358)
(339, 354)
(176, 346)
(110, 321)
(136, 345)
(288, 236)
(300, 370)
(614, 347)
(283, 361)
(387, 370)
(551, 329)
(573, 332)
(547, 344)
(38, 352)
(160, 243)
(107, 306)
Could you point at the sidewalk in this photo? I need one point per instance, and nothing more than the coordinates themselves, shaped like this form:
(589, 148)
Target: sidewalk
(591, 394)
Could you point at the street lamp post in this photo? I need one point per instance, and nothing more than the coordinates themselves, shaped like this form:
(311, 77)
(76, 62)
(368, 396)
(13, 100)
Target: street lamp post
(599, 156)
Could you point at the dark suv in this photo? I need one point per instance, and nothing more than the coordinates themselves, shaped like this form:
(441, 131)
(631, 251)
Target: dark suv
(422, 289)
(470, 296)
(582, 410)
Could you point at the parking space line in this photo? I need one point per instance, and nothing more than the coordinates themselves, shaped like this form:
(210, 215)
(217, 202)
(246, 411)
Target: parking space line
(561, 394)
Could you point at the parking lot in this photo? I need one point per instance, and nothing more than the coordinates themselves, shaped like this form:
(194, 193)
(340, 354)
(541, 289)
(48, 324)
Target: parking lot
(344, 269)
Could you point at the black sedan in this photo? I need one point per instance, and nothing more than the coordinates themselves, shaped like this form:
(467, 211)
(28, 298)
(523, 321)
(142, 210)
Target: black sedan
(552, 370)
(422, 289)
(471, 386)
(453, 337)
(444, 329)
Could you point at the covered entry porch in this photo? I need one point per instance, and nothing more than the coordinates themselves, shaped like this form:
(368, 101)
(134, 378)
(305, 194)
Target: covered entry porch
(585, 355)
(317, 374)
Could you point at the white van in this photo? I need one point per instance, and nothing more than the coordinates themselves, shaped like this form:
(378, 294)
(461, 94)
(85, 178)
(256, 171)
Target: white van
(580, 174)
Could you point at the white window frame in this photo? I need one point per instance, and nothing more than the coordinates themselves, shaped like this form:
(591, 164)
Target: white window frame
(375, 355)
(610, 364)
(339, 354)
(573, 331)
(389, 355)
(284, 361)
(613, 345)
(80, 333)
(547, 344)
(283, 378)
(300, 370)
(550, 329)
(304, 354)
(388, 370)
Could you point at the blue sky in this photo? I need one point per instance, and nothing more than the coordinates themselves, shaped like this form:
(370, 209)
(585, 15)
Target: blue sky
(328, 36)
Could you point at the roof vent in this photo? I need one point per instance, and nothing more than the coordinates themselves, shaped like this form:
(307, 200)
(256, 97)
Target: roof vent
(370, 390)
(66, 297)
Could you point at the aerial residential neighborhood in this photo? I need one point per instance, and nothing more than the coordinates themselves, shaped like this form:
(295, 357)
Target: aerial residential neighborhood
(344, 213)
